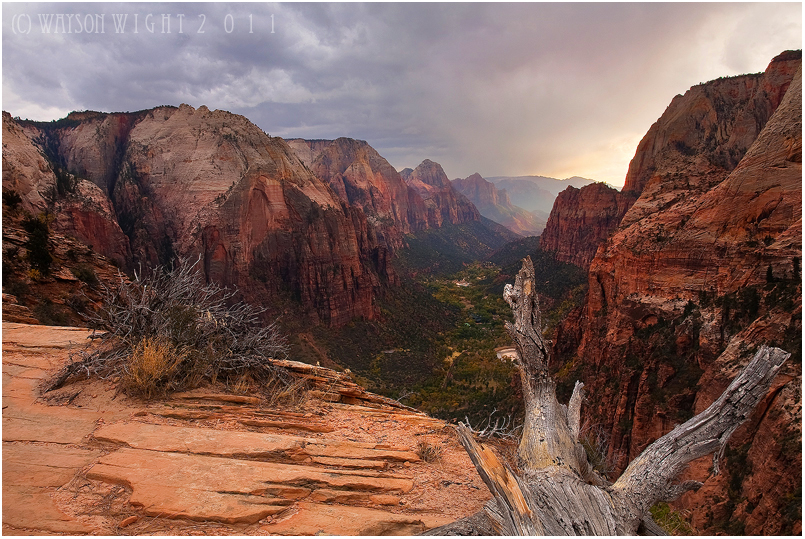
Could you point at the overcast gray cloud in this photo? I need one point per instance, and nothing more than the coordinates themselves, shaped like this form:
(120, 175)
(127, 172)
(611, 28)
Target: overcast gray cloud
(502, 89)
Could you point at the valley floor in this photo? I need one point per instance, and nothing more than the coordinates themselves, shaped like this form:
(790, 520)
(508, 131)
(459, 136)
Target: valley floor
(85, 459)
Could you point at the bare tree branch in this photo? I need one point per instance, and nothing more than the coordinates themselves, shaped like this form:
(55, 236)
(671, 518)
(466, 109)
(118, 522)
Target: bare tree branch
(647, 477)
(557, 491)
(519, 519)
(574, 410)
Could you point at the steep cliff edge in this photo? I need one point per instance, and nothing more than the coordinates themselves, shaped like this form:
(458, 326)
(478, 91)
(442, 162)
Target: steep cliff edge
(582, 219)
(707, 259)
(703, 135)
(700, 138)
(495, 204)
(362, 178)
(212, 184)
(443, 204)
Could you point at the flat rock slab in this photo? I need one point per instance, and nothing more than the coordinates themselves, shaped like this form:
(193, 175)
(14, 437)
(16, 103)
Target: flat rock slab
(65, 425)
(226, 490)
(50, 465)
(222, 443)
(30, 473)
(235, 481)
(21, 335)
(319, 519)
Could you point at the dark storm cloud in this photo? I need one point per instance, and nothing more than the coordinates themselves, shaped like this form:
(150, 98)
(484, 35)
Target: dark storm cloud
(555, 89)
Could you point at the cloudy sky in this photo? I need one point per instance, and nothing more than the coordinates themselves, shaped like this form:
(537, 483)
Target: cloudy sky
(555, 89)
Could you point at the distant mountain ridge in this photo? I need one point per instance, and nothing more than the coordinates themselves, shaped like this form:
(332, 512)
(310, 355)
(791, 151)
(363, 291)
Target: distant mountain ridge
(536, 193)
(495, 204)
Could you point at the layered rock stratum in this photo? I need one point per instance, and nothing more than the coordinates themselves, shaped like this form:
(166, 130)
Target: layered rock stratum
(201, 183)
(495, 204)
(707, 259)
(85, 459)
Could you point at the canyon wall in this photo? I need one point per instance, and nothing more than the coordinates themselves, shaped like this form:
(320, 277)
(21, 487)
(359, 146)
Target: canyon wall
(443, 204)
(209, 184)
(703, 268)
(362, 178)
(582, 219)
(495, 204)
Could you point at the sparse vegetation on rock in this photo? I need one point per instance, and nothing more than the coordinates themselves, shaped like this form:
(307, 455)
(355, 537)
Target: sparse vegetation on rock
(169, 330)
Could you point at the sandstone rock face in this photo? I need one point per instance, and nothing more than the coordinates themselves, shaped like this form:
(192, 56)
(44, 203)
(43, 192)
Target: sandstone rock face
(581, 220)
(708, 259)
(210, 184)
(88, 215)
(219, 470)
(494, 203)
(25, 169)
(696, 143)
(443, 204)
(703, 135)
(82, 209)
(363, 179)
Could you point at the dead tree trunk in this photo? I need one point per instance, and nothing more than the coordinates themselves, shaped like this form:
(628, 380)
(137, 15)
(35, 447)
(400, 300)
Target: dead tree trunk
(557, 492)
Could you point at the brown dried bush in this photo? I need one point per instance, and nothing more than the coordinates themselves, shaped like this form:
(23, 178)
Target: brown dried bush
(428, 451)
(152, 366)
(210, 335)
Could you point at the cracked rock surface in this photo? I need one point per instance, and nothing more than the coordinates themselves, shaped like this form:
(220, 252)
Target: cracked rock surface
(86, 459)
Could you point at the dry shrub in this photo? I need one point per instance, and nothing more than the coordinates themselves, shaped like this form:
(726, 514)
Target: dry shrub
(205, 335)
(290, 395)
(595, 441)
(152, 366)
(428, 452)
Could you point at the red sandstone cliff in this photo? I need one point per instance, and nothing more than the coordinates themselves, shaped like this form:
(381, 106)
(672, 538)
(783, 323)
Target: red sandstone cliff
(211, 184)
(80, 207)
(696, 143)
(494, 204)
(703, 135)
(705, 266)
(582, 219)
(443, 204)
(362, 178)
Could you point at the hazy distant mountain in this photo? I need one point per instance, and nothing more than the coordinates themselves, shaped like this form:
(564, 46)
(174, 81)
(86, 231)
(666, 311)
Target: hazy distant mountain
(536, 193)
(495, 204)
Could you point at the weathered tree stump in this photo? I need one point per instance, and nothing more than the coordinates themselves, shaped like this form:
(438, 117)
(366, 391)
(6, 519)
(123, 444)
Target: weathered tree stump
(557, 491)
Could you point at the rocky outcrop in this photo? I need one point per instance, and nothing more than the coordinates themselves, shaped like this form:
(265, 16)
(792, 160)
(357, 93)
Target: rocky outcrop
(25, 169)
(217, 463)
(581, 220)
(443, 204)
(707, 259)
(210, 184)
(698, 141)
(703, 135)
(362, 178)
(494, 204)
(80, 208)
